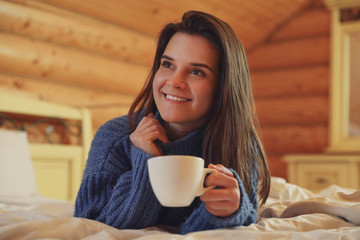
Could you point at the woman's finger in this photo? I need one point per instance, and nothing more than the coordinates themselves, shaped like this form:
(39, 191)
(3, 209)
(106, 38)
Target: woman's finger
(223, 194)
(155, 134)
(219, 211)
(221, 180)
(221, 202)
(146, 122)
(151, 125)
(146, 133)
(222, 206)
(153, 129)
(221, 168)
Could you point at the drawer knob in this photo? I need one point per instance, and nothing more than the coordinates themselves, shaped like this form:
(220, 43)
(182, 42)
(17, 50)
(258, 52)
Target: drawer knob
(321, 180)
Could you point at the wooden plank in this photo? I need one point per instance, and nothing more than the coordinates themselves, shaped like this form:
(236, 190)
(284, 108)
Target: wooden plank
(15, 103)
(251, 20)
(65, 65)
(294, 111)
(105, 113)
(277, 165)
(295, 139)
(142, 16)
(77, 31)
(335, 4)
(61, 93)
(291, 82)
(313, 22)
(87, 134)
(290, 54)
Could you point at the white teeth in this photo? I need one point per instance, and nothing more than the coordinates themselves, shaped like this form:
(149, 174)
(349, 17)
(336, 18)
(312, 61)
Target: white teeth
(176, 98)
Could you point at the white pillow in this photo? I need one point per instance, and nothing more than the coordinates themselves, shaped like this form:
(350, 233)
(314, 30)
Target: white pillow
(17, 177)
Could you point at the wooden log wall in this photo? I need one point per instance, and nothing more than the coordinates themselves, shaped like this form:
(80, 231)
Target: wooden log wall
(57, 55)
(290, 74)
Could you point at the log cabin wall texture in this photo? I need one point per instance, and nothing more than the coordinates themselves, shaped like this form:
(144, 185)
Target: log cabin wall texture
(60, 56)
(55, 54)
(290, 75)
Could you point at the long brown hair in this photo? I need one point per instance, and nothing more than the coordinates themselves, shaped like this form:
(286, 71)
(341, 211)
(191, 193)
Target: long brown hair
(231, 136)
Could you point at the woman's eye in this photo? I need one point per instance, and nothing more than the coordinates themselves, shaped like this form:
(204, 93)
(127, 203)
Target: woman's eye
(197, 72)
(166, 64)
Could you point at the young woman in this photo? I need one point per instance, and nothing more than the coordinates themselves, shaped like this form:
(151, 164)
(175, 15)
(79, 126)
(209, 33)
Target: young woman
(197, 101)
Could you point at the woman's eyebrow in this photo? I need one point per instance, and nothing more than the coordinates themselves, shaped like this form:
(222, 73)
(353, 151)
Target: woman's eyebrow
(192, 64)
(167, 57)
(202, 65)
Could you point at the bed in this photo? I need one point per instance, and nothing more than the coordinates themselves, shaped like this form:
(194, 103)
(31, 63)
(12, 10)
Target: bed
(291, 212)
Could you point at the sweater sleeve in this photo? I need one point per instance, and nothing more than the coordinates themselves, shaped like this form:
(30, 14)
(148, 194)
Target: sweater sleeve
(115, 188)
(201, 219)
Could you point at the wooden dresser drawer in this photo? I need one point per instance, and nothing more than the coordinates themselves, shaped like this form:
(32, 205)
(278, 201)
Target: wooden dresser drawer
(316, 172)
(317, 176)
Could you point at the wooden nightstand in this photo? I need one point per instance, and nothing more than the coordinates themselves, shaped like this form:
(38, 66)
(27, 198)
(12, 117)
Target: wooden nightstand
(316, 172)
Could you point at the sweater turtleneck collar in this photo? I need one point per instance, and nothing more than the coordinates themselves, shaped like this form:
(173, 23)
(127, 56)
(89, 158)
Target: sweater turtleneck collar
(191, 144)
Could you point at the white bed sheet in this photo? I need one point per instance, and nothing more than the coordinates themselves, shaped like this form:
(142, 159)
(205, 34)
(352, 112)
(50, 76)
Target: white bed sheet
(291, 212)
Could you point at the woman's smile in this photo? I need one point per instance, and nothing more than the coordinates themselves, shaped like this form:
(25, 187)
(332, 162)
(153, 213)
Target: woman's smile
(176, 99)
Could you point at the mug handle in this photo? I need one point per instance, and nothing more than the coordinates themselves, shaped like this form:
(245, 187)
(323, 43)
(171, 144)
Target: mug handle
(203, 189)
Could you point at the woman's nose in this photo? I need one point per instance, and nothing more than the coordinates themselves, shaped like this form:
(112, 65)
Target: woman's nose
(176, 80)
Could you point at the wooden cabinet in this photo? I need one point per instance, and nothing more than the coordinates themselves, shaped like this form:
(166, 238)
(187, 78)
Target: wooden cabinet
(58, 170)
(316, 172)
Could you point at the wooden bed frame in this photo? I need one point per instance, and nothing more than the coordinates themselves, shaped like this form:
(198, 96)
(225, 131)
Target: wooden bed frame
(58, 167)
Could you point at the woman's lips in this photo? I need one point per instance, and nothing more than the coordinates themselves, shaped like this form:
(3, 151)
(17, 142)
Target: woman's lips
(175, 98)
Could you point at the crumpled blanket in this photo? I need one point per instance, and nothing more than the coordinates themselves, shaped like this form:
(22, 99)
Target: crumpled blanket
(291, 212)
(295, 201)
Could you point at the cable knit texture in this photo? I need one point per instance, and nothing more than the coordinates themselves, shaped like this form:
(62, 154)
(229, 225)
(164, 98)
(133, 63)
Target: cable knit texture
(116, 189)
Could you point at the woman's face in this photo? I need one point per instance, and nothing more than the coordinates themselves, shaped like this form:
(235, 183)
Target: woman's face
(185, 84)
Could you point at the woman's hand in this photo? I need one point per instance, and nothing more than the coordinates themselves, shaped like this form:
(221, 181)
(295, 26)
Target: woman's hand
(224, 201)
(146, 133)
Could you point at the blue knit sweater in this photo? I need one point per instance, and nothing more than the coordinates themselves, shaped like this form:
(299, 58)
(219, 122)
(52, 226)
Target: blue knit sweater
(116, 189)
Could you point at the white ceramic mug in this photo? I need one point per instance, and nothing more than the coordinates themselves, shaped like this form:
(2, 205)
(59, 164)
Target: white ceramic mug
(177, 179)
